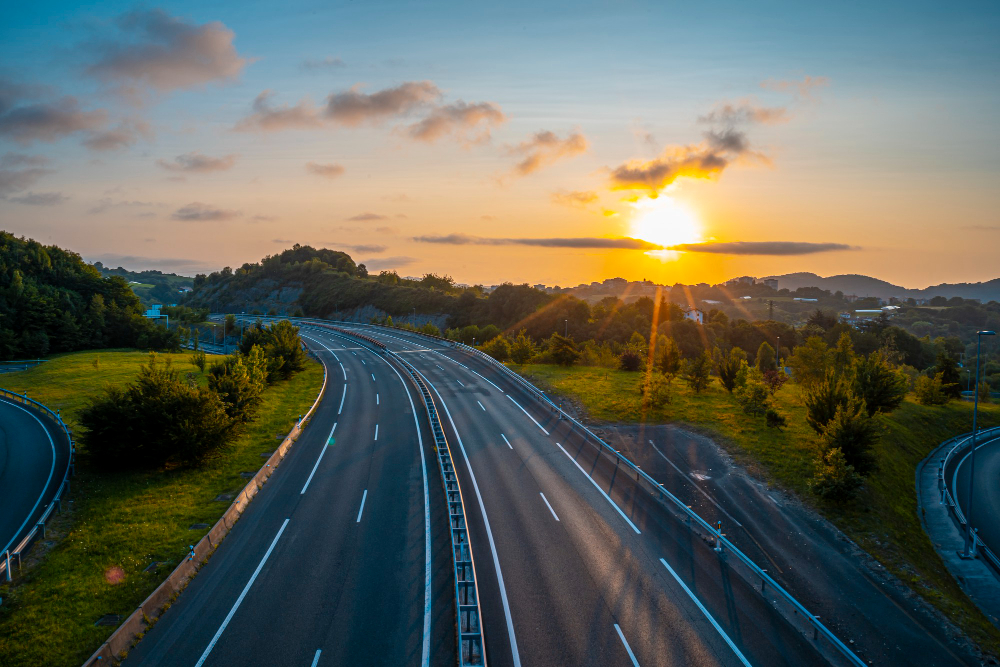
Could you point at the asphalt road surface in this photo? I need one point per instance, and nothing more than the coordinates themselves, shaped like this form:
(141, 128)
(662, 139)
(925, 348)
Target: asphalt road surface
(33, 458)
(575, 565)
(329, 565)
(986, 494)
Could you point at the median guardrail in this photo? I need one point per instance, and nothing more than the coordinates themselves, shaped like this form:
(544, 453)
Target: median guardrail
(950, 499)
(38, 529)
(468, 627)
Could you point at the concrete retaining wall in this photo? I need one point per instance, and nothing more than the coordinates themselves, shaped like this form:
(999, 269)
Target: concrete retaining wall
(125, 636)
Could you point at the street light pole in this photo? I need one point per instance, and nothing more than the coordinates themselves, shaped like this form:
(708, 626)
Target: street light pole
(777, 354)
(566, 333)
(970, 539)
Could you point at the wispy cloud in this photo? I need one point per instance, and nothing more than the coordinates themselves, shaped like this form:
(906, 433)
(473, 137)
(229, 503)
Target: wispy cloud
(470, 122)
(19, 172)
(195, 162)
(150, 48)
(803, 89)
(196, 211)
(575, 198)
(353, 107)
(762, 247)
(387, 263)
(367, 217)
(622, 243)
(743, 112)
(367, 248)
(323, 64)
(545, 148)
(48, 121)
(40, 198)
(268, 118)
(325, 170)
(107, 203)
(125, 134)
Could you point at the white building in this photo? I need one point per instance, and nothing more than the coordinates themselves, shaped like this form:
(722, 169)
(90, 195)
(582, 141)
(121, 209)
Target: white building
(695, 315)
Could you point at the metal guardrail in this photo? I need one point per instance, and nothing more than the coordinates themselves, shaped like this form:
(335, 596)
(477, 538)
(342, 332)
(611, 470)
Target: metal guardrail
(949, 499)
(780, 599)
(469, 633)
(56, 503)
(19, 365)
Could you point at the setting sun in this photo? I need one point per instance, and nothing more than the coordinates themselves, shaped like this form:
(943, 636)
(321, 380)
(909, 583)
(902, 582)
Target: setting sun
(666, 222)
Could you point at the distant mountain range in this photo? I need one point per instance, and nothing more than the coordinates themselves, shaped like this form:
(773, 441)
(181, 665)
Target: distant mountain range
(867, 286)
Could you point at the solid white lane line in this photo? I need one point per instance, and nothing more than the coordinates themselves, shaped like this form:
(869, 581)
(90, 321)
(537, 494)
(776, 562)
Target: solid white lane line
(364, 497)
(373, 377)
(316, 658)
(376, 432)
(481, 405)
(334, 355)
(717, 627)
(342, 397)
(554, 516)
(239, 600)
(628, 649)
(489, 532)
(342, 370)
(48, 481)
(460, 382)
(529, 416)
(700, 490)
(598, 487)
(318, 459)
(506, 440)
(376, 398)
(425, 658)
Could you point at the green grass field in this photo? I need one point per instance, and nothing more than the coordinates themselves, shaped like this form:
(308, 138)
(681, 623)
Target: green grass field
(123, 520)
(884, 518)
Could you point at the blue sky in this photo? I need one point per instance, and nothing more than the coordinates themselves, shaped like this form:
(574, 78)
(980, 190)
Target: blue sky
(895, 142)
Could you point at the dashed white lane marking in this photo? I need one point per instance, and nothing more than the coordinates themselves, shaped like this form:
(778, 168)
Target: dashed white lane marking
(506, 440)
(364, 497)
(529, 416)
(239, 600)
(481, 405)
(376, 399)
(373, 377)
(598, 487)
(439, 366)
(318, 459)
(316, 658)
(628, 649)
(460, 382)
(547, 504)
(711, 620)
(376, 432)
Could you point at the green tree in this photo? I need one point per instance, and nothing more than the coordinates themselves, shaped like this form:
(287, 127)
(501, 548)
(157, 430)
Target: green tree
(728, 365)
(810, 361)
(522, 349)
(835, 479)
(638, 343)
(843, 354)
(156, 420)
(198, 360)
(230, 325)
(498, 348)
(240, 381)
(655, 390)
(929, 390)
(696, 372)
(825, 398)
(775, 419)
(881, 386)
(854, 433)
(752, 394)
(983, 391)
(670, 359)
(563, 350)
(765, 357)
(630, 360)
(947, 369)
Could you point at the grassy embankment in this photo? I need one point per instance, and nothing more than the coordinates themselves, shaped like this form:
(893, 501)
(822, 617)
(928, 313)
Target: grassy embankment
(122, 520)
(883, 520)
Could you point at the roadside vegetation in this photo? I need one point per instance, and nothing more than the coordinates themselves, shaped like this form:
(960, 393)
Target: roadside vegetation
(128, 525)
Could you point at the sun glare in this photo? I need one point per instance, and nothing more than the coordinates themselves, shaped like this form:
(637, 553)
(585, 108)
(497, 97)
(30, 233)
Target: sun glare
(665, 222)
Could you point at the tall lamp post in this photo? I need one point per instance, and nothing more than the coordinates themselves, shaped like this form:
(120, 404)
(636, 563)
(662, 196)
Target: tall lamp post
(777, 354)
(566, 332)
(970, 539)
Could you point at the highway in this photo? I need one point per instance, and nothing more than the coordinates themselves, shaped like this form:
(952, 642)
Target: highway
(575, 565)
(339, 558)
(33, 459)
(986, 508)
